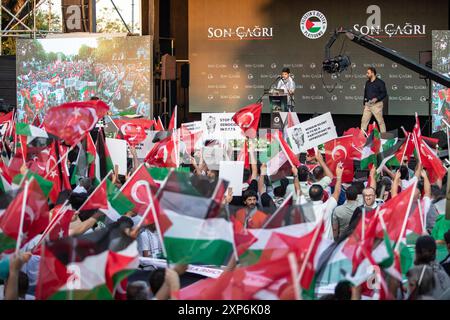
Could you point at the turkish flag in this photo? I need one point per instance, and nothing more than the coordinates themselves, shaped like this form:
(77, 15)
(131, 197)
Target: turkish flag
(137, 189)
(134, 131)
(431, 162)
(70, 121)
(340, 150)
(247, 119)
(358, 140)
(163, 153)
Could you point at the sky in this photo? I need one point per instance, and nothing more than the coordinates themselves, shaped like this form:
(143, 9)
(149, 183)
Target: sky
(68, 46)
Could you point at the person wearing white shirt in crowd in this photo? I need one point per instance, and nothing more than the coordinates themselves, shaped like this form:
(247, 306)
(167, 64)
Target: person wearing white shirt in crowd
(324, 210)
(148, 242)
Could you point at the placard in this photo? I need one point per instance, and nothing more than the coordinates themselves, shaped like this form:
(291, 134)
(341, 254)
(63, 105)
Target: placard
(233, 172)
(312, 133)
(118, 151)
(220, 126)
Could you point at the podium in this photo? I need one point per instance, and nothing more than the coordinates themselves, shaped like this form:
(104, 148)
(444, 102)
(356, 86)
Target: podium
(278, 103)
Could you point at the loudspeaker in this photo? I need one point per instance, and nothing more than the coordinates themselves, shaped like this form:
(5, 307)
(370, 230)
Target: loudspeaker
(169, 67)
(185, 75)
(425, 58)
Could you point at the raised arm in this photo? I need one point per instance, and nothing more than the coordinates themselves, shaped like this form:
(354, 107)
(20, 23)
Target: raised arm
(395, 184)
(85, 225)
(298, 189)
(261, 185)
(253, 162)
(373, 177)
(322, 163)
(337, 187)
(426, 184)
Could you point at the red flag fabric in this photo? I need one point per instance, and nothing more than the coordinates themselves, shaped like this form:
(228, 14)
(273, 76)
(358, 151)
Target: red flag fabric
(36, 216)
(53, 175)
(173, 119)
(431, 162)
(244, 156)
(292, 158)
(159, 125)
(135, 189)
(358, 141)
(134, 130)
(70, 121)
(60, 228)
(64, 167)
(247, 119)
(163, 153)
(341, 150)
(98, 199)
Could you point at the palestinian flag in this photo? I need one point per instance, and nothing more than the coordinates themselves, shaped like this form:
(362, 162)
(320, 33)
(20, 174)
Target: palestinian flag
(207, 241)
(313, 24)
(159, 174)
(256, 241)
(279, 157)
(91, 158)
(104, 164)
(371, 149)
(389, 152)
(45, 185)
(192, 195)
(87, 267)
(81, 169)
(32, 132)
(108, 199)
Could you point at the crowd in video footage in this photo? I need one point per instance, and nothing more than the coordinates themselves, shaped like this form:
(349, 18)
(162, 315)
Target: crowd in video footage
(116, 70)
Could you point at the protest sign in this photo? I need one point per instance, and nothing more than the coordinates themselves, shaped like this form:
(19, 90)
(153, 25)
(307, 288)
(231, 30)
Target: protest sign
(312, 133)
(220, 126)
(118, 151)
(233, 172)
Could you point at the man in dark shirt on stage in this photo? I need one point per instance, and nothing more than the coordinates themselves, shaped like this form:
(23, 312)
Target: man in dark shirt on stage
(374, 93)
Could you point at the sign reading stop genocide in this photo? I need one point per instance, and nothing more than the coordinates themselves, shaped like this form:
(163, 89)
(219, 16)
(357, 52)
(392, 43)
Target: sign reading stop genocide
(220, 126)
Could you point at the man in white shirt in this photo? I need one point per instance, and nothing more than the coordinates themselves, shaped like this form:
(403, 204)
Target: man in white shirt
(148, 243)
(324, 210)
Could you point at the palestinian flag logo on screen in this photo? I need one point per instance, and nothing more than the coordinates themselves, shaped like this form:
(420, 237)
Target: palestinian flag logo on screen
(313, 24)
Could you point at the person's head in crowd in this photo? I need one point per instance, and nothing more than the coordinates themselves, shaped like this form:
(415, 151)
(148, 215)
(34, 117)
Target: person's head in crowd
(425, 250)
(369, 196)
(404, 173)
(318, 173)
(156, 280)
(316, 192)
(303, 173)
(359, 185)
(137, 290)
(94, 98)
(120, 180)
(351, 194)
(384, 188)
(250, 199)
(447, 240)
(419, 190)
(421, 281)
(77, 199)
(343, 290)
(280, 191)
(212, 174)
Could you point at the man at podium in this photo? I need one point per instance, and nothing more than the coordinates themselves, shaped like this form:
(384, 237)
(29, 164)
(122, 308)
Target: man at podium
(287, 84)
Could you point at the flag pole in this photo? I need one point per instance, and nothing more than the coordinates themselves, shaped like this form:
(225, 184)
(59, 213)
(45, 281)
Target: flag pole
(22, 215)
(404, 151)
(416, 144)
(58, 215)
(93, 192)
(422, 217)
(308, 253)
(294, 271)
(131, 177)
(363, 230)
(61, 158)
(405, 220)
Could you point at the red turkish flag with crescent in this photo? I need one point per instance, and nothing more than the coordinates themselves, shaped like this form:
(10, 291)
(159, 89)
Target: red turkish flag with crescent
(247, 119)
(70, 121)
(340, 150)
(134, 131)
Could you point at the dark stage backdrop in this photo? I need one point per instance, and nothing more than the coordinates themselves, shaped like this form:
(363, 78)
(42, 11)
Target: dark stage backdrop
(8, 79)
(236, 48)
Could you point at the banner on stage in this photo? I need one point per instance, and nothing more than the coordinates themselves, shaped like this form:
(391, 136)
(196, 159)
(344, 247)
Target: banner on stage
(312, 133)
(233, 172)
(118, 151)
(220, 126)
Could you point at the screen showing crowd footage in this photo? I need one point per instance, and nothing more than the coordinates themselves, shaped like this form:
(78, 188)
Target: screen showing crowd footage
(58, 70)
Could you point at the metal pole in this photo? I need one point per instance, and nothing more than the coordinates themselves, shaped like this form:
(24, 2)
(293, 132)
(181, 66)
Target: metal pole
(34, 19)
(121, 18)
(132, 16)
